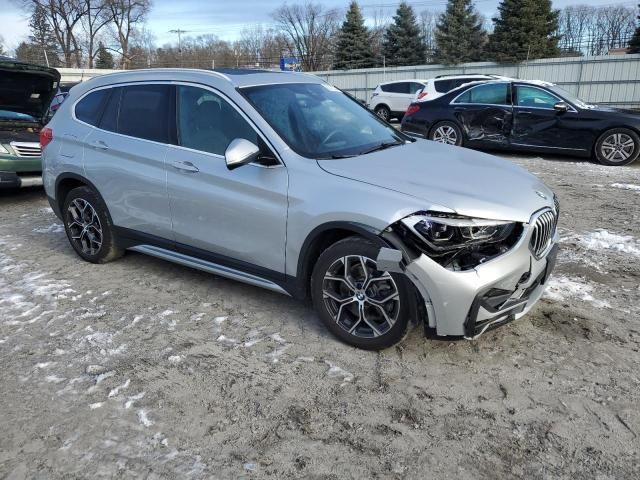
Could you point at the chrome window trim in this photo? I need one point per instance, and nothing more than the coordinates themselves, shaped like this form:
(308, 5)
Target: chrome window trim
(560, 99)
(185, 83)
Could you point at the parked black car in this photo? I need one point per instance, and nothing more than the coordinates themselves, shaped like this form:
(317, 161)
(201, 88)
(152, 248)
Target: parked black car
(527, 116)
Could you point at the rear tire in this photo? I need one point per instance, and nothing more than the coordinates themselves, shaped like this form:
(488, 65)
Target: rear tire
(88, 226)
(617, 147)
(446, 132)
(370, 311)
(383, 112)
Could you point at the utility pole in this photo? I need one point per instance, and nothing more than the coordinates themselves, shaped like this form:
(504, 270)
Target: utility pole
(179, 32)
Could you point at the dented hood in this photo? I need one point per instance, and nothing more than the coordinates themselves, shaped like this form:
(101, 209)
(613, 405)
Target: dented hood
(465, 181)
(26, 88)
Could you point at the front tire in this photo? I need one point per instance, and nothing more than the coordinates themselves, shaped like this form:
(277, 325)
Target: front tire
(360, 305)
(618, 147)
(446, 132)
(88, 226)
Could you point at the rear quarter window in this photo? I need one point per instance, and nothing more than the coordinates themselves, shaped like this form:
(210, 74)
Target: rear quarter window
(89, 109)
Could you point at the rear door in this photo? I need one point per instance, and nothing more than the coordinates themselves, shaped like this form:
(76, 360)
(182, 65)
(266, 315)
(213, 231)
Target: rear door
(485, 114)
(125, 157)
(537, 124)
(234, 215)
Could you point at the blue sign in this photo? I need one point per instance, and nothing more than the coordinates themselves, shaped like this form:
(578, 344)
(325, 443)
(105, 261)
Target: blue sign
(290, 64)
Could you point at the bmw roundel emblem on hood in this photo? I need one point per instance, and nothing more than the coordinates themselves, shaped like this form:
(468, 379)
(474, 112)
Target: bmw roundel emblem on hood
(540, 194)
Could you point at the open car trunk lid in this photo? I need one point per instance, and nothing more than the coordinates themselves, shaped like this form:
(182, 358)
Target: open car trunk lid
(26, 89)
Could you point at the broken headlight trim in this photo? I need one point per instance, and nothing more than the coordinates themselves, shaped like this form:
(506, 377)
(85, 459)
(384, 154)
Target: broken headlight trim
(444, 233)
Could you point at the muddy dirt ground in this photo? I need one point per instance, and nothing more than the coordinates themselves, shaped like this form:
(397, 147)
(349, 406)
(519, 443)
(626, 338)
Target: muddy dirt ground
(144, 369)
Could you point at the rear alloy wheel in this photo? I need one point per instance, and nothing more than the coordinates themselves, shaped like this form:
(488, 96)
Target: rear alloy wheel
(88, 226)
(618, 146)
(383, 112)
(361, 305)
(447, 133)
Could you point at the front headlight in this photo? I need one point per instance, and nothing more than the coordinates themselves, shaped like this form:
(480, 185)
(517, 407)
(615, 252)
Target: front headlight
(3, 150)
(459, 242)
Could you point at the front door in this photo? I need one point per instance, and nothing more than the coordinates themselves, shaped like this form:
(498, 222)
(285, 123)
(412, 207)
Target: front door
(238, 216)
(538, 125)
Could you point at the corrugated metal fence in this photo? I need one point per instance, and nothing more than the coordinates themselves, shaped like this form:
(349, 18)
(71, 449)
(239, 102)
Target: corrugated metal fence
(610, 79)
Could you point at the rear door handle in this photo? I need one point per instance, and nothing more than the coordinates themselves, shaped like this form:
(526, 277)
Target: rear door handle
(99, 145)
(185, 167)
(524, 112)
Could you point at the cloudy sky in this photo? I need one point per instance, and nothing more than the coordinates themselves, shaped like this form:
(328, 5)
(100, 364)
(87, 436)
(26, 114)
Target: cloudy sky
(226, 18)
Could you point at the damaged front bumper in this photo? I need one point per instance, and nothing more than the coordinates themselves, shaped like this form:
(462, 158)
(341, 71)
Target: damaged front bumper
(468, 303)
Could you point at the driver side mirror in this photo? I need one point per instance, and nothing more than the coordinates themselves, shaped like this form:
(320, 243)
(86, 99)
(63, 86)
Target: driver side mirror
(240, 152)
(561, 107)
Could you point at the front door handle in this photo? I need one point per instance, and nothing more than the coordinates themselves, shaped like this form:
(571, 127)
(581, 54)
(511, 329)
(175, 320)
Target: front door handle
(99, 145)
(524, 112)
(185, 167)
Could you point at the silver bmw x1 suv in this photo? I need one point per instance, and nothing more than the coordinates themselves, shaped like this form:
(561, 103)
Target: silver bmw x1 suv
(282, 181)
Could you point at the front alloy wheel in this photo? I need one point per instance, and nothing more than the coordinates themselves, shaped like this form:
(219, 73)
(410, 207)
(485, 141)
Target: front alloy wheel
(618, 147)
(362, 301)
(358, 303)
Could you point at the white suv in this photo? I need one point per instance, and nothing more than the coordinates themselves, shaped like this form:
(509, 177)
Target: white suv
(391, 99)
(438, 86)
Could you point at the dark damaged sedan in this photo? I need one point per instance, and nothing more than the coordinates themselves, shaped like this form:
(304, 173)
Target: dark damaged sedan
(527, 116)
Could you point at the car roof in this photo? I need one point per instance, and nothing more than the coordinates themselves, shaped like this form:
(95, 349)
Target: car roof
(231, 78)
(537, 83)
(419, 80)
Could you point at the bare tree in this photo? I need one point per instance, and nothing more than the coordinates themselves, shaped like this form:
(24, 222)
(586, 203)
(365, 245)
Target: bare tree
(428, 20)
(308, 28)
(64, 17)
(127, 15)
(97, 16)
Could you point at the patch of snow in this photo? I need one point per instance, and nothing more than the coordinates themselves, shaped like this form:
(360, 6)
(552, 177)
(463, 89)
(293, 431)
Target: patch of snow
(277, 353)
(225, 339)
(103, 376)
(93, 406)
(44, 364)
(131, 400)
(219, 320)
(278, 338)
(53, 228)
(143, 418)
(115, 391)
(54, 379)
(306, 359)
(626, 186)
(166, 313)
(175, 358)
(250, 467)
(561, 288)
(336, 371)
(604, 240)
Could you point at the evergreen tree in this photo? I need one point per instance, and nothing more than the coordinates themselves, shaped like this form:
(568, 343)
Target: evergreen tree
(460, 36)
(524, 29)
(634, 45)
(403, 43)
(353, 48)
(104, 57)
(42, 47)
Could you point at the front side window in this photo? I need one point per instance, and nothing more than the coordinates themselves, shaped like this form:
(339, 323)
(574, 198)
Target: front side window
(208, 123)
(535, 97)
(89, 109)
(319, 121)
(490, 94)
(144, 112)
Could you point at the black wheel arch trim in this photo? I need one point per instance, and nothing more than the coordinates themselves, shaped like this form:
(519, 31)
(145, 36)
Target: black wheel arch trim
(56, 203)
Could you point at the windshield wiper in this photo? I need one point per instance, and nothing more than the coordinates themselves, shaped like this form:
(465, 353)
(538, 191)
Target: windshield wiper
(335, 157)
(382, 146)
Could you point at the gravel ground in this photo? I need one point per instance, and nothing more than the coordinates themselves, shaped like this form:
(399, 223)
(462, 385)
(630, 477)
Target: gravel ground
(144, 369)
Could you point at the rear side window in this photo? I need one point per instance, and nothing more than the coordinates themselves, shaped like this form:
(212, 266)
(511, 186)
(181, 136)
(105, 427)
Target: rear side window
(415, 87)
(89, 109)
(144, 112)
(401, 87)
(492, 94)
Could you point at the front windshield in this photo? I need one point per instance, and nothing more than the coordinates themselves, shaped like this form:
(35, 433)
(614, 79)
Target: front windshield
(319, 121)
(571, 98)
(13, 116)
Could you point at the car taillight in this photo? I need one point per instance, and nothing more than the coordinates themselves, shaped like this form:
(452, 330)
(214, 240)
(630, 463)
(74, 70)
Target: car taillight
(412, 109)
(46, 135)
(422, 95)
